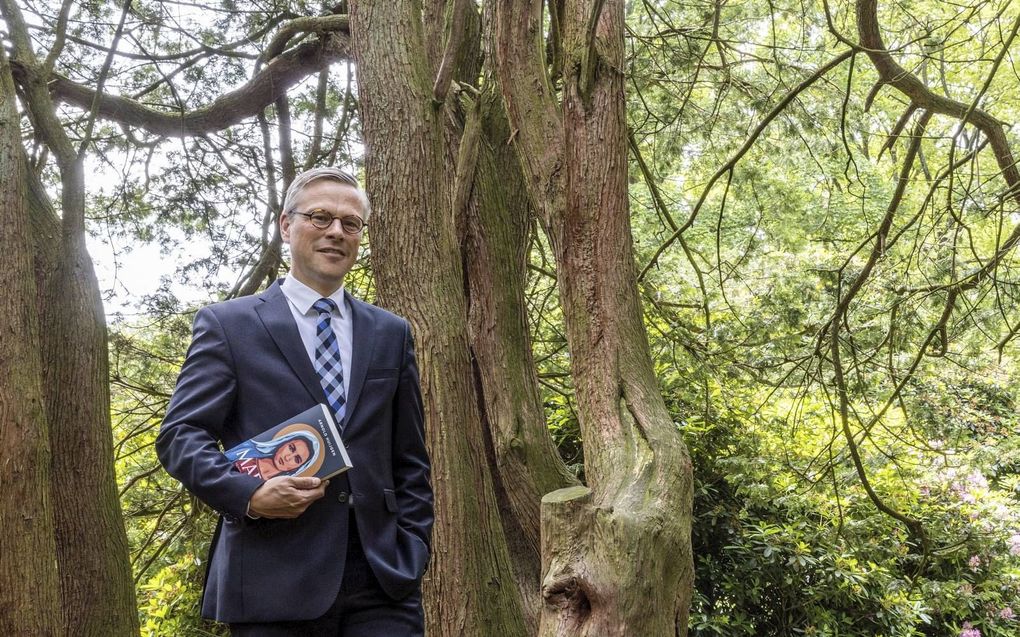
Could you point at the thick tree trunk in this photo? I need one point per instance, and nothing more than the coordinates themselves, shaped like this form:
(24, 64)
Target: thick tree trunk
(616, 558)
(96, 586)
(417, 263)
(89, 544)
(497, 228)
(29, 583)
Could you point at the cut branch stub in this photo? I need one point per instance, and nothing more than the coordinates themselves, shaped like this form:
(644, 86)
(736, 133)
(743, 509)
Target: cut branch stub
(567, 516)
(601, 556)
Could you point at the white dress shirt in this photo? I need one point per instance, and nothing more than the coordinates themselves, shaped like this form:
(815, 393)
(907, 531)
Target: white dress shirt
(300, 298)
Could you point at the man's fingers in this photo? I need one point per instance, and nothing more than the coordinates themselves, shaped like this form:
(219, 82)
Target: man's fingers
(305, 483)
(286, 496)
(309, 495)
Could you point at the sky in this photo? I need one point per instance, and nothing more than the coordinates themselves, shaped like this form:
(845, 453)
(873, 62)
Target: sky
(137, 271)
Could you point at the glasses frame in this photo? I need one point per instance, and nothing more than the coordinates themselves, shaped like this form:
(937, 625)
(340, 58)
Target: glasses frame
(308, 215)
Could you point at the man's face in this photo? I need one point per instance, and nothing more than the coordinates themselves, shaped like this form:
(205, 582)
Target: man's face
(291, 455)
(321, 258)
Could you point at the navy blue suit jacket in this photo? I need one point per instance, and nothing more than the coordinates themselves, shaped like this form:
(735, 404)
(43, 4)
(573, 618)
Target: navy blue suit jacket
(246, 371)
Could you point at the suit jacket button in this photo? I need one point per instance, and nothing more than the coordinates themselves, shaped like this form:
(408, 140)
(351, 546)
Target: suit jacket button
(342, 497)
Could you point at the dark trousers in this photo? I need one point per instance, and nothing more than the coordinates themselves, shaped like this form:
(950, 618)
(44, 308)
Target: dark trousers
(361, 608)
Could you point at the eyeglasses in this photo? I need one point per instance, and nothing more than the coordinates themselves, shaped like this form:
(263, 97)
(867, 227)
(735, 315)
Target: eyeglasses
(321, 219)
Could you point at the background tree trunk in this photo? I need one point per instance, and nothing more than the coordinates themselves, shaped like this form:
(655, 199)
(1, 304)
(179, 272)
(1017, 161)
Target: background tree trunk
(29, 583)
(96, 590)
(96, 586)
(408, 176)
(616, 558)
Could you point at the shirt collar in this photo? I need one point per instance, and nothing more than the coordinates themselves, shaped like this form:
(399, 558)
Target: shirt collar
(302, 296)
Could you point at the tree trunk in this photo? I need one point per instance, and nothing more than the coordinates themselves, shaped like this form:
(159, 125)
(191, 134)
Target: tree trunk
(616, 559)
(89, 544)
(496, 228)
(96, 586)
(29, 583)
(417, 264)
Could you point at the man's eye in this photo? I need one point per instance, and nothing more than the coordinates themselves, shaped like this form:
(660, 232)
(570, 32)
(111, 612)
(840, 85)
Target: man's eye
(321, 218)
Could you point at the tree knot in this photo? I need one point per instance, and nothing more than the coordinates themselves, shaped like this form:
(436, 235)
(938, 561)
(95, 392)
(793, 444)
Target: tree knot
(570, 596)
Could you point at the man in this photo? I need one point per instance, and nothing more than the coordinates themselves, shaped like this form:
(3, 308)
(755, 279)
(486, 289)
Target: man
(294, 555)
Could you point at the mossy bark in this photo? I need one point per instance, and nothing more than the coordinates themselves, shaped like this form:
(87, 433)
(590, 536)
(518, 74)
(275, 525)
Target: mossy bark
(496, 228)
(66, 333)
(29, 581)
(616, 560)
(416, 258)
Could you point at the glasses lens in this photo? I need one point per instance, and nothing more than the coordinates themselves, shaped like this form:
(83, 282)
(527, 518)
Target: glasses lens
(320, 219)
(352, 225)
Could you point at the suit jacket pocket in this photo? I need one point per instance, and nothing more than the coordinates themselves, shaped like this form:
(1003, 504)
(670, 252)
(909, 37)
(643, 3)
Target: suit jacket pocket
(381, 372)
(391, 500)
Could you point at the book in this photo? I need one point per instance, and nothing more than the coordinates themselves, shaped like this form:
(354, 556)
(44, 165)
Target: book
(307, 444)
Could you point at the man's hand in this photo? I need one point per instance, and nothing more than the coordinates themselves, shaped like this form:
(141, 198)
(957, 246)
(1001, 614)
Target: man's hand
(285, 496)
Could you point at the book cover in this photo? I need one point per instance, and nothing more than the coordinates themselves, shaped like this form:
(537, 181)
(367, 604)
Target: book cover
(307, 444)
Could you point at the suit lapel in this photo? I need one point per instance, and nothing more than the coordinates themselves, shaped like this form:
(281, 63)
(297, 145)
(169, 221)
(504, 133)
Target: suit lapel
(363, 341)
(277, 318)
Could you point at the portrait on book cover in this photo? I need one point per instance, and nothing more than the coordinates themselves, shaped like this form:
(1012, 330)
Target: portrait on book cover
(294, 450)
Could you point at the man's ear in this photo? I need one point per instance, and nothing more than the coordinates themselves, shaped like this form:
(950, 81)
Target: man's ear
(285, 226)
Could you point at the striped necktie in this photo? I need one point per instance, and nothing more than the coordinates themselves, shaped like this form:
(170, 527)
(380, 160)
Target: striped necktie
(327, 360)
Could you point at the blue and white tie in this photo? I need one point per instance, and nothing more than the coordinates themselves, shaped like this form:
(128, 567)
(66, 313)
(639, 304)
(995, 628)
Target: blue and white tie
(327, 360)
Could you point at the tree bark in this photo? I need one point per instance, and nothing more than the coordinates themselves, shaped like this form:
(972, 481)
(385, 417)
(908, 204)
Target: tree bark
(97, 595)
(96, 590)
(96, 587)
(417, 263)
(29, 583)
(616, 560)
(496, 229)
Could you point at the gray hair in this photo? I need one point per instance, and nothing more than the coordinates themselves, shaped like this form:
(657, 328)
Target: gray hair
(325, 172)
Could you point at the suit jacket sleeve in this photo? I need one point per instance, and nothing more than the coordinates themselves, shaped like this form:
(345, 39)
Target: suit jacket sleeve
(198, 413)
(410, 458)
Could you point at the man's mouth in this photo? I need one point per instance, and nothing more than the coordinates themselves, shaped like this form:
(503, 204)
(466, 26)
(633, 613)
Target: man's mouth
(333, 251)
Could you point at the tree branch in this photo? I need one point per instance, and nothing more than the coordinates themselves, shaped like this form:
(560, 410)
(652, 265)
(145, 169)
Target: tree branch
(60, 37)
(101, 81)
(881, 234)
(315, 149)
(663, 210)
(453, 44)
(531, 103)
(246, 101)
(589, 56)
(907, 83)
(920, 95)
(225, 50)
(320, 25)
(732, 161)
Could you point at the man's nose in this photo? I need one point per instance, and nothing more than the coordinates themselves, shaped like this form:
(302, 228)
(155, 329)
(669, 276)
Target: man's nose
(335, 227)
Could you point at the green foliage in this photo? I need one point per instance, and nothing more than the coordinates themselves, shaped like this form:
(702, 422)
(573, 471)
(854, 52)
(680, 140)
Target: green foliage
(168, 530)
(787, 542)
(167, 601)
